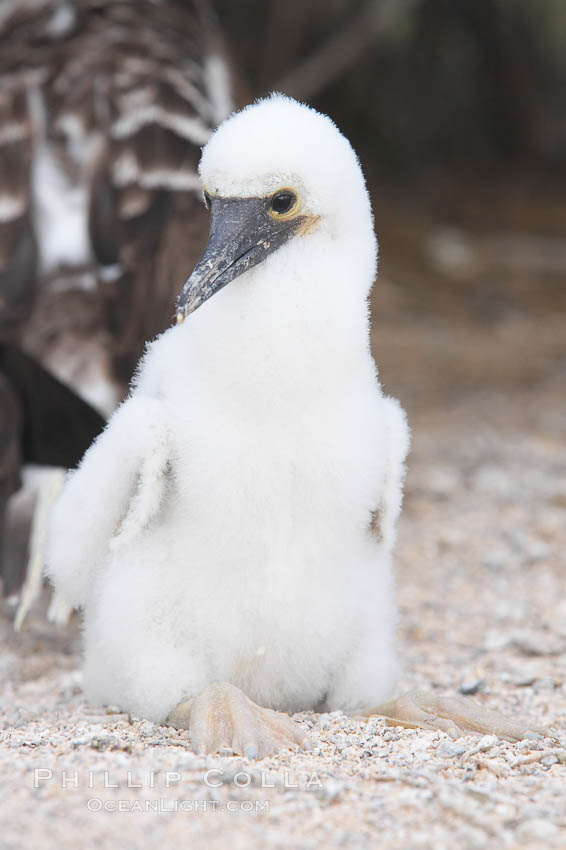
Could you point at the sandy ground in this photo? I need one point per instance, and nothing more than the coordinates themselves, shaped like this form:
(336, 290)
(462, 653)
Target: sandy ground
(481, 587)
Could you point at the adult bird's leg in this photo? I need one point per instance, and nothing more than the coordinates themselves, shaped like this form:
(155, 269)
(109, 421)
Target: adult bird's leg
(223, 716)
(49, 486)
(455, 715)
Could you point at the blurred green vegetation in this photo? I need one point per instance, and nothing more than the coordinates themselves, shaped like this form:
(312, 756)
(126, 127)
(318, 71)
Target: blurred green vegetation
(456, 85)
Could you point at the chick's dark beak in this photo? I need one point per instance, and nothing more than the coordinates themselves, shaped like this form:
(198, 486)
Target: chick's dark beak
(242, 234)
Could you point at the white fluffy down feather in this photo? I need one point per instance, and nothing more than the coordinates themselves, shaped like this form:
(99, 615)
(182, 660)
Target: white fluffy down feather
(221, 526)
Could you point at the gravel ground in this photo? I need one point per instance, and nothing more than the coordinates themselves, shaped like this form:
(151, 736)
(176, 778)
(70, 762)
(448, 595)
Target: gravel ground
(482, 604)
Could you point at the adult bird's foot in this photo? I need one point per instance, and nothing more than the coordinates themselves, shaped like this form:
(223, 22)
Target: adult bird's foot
(222, 716)
(454, 715)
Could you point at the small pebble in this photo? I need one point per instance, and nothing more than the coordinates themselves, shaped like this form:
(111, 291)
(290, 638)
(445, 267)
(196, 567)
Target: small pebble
(390, 735)
(535, 643)
(449, 749)
(331, 790)
(486, 743)
(537, 829)
(497, 559)
(471, 688)
(550, 759)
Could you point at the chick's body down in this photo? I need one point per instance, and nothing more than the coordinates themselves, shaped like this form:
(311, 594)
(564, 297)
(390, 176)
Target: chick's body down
(235, 521)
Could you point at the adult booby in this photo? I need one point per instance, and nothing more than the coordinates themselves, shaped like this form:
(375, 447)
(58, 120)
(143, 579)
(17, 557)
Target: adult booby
(229, 535)
(104, 105)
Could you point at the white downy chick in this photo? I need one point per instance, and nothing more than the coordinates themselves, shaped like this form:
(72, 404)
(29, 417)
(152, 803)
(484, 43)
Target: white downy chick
(235, 521)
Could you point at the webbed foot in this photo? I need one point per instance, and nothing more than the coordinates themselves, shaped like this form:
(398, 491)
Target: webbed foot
(222, 716)
(454, 715)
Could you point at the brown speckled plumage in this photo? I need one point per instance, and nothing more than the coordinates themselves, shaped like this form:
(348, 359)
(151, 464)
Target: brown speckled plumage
(110, 100)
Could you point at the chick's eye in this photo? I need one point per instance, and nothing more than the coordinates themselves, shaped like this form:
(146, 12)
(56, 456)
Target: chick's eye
(283, 202)
(207, 200)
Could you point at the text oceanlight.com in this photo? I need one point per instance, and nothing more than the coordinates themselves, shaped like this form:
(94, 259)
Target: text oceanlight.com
(163, 805)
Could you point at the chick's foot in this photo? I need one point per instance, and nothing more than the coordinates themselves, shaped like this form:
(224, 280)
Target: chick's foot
(454, 715)
(222, 716)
